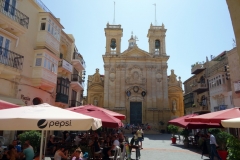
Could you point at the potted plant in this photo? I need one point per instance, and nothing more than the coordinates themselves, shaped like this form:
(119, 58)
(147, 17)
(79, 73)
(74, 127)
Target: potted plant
(233, 145)
(221, 139)
(33, 136)
(185, 133)
(173, 129)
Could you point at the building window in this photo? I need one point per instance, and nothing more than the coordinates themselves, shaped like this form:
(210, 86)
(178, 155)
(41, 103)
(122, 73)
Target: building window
(43, 26)
(54, 30)
(63, 86)
(38, 62)
(50, 65)
(61, 56)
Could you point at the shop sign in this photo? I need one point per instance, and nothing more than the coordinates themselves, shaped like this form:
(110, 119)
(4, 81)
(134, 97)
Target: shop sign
(67, 65)
(25, 99)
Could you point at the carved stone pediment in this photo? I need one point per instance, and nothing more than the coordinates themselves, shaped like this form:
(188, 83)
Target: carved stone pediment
(135, 75)
(135, 52)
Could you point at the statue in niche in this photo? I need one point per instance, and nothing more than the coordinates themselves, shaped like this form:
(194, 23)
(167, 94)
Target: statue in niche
(95, 102)
(135, 76)
(174, 105)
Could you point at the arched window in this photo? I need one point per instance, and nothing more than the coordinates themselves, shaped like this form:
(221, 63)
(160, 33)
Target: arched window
(113, 46)
(157, 46)
(202, 80)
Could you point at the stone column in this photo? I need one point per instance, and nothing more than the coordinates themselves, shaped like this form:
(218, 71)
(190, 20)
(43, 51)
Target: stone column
(149, 93)
(153, 90)
(165, 87)
(106, 85)
(117, 86)
(164, 45)
(122, 86)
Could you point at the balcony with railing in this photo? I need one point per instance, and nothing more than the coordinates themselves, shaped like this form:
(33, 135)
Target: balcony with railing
(77, 82)
(74, 103)
(78, 61)
(11, 59)
(197, 68)
(199, 87)
(65, 66)
(14, 14)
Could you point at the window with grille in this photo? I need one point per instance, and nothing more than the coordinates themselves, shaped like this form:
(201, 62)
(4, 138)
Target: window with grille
(38, 62)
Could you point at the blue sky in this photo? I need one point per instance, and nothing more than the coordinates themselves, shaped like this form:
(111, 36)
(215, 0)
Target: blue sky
(195, 28)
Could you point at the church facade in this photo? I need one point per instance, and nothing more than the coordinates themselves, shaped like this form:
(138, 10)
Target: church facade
(135, 82)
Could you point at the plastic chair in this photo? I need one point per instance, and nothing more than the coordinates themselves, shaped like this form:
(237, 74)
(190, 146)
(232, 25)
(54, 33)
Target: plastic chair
(117, 154)
(123, 154)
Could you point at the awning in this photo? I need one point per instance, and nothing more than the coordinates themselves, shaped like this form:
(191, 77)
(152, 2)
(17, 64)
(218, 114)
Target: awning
(13, 100)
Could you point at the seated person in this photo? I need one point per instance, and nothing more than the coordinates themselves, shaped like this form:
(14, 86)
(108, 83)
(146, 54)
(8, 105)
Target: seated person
(115, 143)
(77, 140)
(107, 142)
(62, 152)
(28, 152)
(78, 155)
(51, 144)
(68, 138)
(75, 153)
(96, 146)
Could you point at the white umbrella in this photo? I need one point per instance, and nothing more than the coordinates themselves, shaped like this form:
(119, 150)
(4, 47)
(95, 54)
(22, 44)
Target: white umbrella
(45, 117)
(231, 123)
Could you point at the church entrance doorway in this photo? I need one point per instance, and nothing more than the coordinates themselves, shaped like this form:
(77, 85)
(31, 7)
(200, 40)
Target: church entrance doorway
(136, 113)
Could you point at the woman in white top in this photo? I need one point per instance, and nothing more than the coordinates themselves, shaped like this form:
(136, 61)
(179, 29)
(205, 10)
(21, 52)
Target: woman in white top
(61, 153)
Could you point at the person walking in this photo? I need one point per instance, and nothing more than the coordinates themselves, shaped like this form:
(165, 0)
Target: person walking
(213, 145)
(140, 136)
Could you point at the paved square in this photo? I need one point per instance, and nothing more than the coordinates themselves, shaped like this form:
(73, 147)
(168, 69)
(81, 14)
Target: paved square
(159, 147)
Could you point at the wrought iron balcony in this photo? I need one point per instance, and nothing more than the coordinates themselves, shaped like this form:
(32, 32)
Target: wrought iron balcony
(74, 103)
(61, 98)
(77, 82)
(14, 14)
(76, 78)
(78, 61)
(200, 87)
(10, 58)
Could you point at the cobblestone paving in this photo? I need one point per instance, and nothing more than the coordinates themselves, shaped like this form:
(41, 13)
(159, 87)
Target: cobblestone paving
(159, 147)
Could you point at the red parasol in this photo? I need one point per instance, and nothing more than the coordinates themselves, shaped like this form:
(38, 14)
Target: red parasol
(114, 114)
(6, 105)
(215, 117)
(107, 120)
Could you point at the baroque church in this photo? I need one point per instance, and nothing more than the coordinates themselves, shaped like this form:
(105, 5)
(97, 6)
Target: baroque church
(135, 82)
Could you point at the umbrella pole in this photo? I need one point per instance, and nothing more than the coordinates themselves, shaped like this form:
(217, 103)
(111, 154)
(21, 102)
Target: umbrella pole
(45, 142)
(41, 146)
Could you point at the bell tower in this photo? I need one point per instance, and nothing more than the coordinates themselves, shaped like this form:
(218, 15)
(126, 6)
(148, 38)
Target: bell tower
(113, 35)
(156, 39)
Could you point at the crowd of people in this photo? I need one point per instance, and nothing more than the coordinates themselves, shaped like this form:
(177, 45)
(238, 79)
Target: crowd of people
(16, 152)
(102, 144)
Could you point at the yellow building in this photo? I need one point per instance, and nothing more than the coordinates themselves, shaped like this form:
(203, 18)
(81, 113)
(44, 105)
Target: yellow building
(39, 62)
(135, 82)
